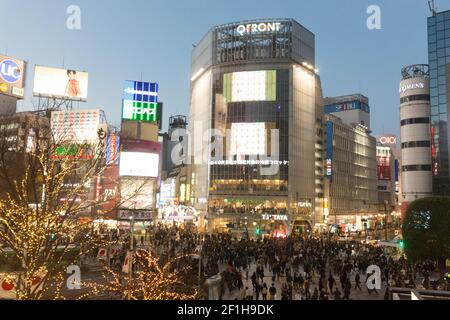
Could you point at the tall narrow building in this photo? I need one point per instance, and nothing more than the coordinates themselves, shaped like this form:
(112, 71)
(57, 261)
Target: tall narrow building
(439, 62)
(415, 134)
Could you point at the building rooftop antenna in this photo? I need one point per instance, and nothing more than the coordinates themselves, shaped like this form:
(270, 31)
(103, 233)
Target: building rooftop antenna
(433, 7)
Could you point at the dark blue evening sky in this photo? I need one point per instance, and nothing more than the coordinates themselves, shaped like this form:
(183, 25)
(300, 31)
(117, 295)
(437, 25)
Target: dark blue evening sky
(120, 39)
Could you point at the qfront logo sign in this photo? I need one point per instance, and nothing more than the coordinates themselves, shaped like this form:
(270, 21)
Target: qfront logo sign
(258, 27)
(412, 86)
(10, 71)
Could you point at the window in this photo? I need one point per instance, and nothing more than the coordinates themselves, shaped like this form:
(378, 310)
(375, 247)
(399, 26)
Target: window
(416, 144)
(416, 168)
(418, 97)
(415, 121)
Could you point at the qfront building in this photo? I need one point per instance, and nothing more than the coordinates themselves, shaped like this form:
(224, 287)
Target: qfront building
(254, 125)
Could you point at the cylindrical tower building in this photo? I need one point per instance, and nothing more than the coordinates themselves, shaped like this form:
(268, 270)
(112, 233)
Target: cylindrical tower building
(415, 133)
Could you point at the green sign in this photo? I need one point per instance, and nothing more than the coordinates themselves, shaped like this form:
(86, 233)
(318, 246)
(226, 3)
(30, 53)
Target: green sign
(140, 111)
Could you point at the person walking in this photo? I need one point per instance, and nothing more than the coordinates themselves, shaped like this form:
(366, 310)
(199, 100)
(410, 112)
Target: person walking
(264, 291)
(358, 282)
(272, 292)
(331, 282)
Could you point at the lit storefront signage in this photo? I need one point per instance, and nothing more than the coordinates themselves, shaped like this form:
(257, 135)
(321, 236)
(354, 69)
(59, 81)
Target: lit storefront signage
(276, 217)
(258, 28)
(112, 149)
(391, 140)
(250, 86)
(140, 101)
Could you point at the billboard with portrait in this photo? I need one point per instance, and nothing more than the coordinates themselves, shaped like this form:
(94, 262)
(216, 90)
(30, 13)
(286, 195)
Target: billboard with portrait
(60, 83)
(12, 77)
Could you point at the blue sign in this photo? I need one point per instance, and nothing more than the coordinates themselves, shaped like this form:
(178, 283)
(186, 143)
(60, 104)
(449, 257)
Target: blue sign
(140, 101)
(10, 71)
(137, 91)
(347, 106)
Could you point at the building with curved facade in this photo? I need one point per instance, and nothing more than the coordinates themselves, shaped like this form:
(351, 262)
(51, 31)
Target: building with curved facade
(255, 127)
(415, 134)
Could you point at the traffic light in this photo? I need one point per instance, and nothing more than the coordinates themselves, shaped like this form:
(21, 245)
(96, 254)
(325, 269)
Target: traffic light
(402, 245)
(258, 231)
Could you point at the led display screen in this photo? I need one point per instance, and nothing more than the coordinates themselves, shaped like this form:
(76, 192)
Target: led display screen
(137, 194)
(248, 138)
(139, 164)
(250, 86)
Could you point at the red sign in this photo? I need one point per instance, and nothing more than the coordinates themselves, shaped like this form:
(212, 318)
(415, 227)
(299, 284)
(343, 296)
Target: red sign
(384, 168)
(132, 145)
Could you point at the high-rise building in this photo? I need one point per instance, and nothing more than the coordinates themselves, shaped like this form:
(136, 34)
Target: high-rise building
(415, 134)
(351, 191)
(439, 62)
(254, 83)
(352, 109)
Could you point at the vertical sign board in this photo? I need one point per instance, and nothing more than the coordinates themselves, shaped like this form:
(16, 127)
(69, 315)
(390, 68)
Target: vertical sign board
(112, 149)
(330, 151)
(140, 101)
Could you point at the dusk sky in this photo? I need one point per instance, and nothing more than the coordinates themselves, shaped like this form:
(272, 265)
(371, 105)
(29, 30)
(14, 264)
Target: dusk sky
(120, 39)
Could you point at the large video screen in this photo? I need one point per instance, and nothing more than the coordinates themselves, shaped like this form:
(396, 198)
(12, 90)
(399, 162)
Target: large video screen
(139, 164)
(250, 86)
(137, 194)
(248, 138)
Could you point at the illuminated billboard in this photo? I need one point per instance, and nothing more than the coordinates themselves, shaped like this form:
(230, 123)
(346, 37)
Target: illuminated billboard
(12, 77)
(112, 149)
(168, 191)
(248, 138)
(250, 86)
(139, 164)
(138, 194)
(140, 101)
(78, 126)
(384, 168)
(60, 83)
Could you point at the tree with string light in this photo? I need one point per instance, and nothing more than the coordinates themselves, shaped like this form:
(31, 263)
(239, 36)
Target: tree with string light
(45, 191)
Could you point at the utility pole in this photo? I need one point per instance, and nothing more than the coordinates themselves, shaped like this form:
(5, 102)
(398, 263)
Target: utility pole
(386, 219)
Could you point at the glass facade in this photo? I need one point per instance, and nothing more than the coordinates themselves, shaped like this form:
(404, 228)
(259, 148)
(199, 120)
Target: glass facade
(274, 115)
(439, 57)
(251, 86)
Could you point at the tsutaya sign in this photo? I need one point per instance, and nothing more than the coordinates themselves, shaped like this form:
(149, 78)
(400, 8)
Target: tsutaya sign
(258, 27)
(412, 86)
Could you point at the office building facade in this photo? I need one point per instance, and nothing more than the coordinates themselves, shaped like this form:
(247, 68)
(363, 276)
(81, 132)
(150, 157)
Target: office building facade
(439, 62)
(254, 84)
(351, 174)
(353, 109)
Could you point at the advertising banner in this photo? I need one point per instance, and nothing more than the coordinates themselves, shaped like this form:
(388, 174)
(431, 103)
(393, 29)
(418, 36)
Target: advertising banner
(60, 83)
(139, 164)
(384, 168)
(140, 101)
(12, 77)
